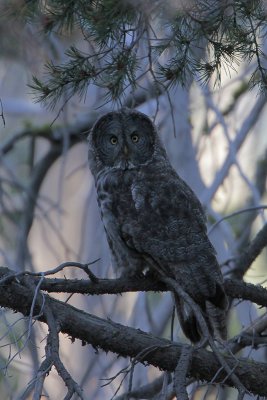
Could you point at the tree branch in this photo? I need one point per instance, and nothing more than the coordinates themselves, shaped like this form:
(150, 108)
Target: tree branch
(240, 137)
(251, 253)
(234, 288)
(129, 342)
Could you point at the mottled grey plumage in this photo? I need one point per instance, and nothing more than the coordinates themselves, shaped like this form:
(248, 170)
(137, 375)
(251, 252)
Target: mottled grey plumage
(152, 217)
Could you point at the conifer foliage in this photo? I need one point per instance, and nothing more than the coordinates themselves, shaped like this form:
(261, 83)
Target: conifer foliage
(171, 42)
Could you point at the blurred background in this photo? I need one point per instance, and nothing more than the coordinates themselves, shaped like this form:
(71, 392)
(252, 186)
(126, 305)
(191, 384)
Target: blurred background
(215, 136)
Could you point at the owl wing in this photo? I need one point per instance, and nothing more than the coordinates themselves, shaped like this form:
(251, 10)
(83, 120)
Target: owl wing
(169, 222)
(169, 226)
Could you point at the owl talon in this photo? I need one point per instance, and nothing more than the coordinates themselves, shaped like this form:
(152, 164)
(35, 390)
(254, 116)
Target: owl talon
(133, 274)
(150, 274)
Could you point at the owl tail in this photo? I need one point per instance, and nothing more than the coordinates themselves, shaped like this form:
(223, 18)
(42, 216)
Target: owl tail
(216, 307)
(187, 320)
(215, 318)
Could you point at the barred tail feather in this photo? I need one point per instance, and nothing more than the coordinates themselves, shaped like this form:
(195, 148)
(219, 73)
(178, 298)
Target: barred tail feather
(187, 320)
(214, 316)
(217, 319)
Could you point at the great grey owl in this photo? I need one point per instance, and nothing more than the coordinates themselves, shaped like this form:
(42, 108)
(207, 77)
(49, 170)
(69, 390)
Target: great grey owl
(152, 217)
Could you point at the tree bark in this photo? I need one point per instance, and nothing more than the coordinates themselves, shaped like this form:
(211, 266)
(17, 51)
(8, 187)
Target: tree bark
(126, 341)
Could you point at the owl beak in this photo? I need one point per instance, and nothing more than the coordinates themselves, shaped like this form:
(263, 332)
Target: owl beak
(124, 161)
(125, 151)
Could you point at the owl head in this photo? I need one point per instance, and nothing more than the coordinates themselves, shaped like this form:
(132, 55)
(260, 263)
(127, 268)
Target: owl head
(122, 140)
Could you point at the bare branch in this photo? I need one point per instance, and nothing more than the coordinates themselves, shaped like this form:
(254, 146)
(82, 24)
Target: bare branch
(250, 336)
(146, 391)
(251, 253)
(181, 371)
(130, 342)
(2, 113)
(234, 288)
(234, 214)
(246, 127)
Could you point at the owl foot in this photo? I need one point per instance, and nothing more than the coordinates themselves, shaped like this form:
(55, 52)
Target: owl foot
(151, 274)
(133, 275)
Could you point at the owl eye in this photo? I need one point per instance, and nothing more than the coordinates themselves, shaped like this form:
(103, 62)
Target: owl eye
(113, 140)
(134, 138)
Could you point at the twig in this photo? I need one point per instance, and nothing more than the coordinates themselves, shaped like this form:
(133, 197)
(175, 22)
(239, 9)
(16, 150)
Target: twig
(181, 371)
(32, 317)
(249, 336)
(205, 333)
(84, 267)
(263, 207)
(251, 253)
(165, 384)
(38, 382)
(240, 137)
(2, 113)
(231, 146)
(38, 176)
(230, 372)
(245, 224)
(112, 378)
(52, 357)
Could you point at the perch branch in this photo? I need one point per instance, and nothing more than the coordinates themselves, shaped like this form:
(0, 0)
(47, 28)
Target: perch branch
(129, 342)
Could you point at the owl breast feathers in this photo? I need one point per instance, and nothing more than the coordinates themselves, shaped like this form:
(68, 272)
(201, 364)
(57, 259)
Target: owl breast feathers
(152, 217)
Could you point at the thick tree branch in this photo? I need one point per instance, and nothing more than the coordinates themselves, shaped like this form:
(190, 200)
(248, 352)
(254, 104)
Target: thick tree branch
(129, 342)
(234, 288)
